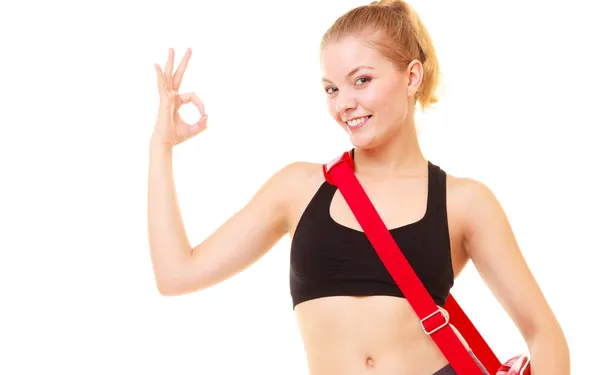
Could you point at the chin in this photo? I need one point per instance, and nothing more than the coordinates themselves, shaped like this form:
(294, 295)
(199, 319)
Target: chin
(363, 141)
(365, 137)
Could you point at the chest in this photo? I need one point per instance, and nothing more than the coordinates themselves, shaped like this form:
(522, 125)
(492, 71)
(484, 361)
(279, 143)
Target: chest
(421, 219)
(398, 203)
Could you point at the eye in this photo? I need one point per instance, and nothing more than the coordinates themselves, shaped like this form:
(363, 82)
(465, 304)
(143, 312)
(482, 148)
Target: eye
(359, 82)
(330, 90)
(364, 80)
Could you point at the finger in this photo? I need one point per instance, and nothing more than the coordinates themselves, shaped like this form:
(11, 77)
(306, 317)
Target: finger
(178, 77)
(169, 70)
(198, 126)
(160, 79)
(185, 131)
(191, 97)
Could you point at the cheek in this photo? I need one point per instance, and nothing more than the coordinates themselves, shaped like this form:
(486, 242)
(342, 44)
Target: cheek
(380, 97)
(388, 99)
(331, 109)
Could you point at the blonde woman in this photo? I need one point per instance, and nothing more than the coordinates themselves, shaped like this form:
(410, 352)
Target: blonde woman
(378, 63)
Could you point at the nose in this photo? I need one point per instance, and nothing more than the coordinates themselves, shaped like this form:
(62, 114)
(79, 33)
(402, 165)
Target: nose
(344, 103)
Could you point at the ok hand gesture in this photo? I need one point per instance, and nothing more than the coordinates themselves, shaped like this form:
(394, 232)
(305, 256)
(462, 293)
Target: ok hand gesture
(170, 129)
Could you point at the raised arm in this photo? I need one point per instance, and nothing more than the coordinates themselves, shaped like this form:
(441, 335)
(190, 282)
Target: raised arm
(235, 245)
(240, 241)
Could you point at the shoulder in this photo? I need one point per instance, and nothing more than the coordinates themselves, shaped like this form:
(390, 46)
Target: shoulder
(467, 189)
(294, 178)
(472, 202)
(295, 184)
(293, 173)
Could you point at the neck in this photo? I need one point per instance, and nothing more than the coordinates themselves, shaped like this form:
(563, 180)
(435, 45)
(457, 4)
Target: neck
(401, 155)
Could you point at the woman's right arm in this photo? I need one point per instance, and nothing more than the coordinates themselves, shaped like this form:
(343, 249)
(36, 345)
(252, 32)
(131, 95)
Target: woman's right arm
(240, 241)
(236, 244)
(245, 237)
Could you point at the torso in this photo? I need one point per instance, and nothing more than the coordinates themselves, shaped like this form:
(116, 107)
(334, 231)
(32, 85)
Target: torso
(369, 334)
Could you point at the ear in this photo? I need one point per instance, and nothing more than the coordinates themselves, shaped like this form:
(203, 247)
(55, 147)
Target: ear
(414, 73)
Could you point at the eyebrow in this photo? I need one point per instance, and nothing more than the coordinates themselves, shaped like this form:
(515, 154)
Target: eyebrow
(351, 72)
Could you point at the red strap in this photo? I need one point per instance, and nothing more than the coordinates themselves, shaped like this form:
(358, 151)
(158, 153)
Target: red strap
(340, 172)
(478, 345)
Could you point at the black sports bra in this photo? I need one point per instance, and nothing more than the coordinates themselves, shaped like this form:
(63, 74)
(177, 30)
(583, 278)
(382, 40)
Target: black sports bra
(330, 259)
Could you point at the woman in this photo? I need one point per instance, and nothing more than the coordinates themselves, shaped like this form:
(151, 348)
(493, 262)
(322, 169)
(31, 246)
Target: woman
(378, 63)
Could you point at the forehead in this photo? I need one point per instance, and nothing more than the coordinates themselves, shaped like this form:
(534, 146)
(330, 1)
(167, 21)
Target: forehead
(340, 57)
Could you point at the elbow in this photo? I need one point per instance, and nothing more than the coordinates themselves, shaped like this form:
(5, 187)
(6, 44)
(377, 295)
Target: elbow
(169, 286)
(174, 290)
(172, 284)
(170, 275)
(179, 277)
(167, 289)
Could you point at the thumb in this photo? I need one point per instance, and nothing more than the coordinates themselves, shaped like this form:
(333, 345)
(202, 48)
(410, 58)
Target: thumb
(198, 126)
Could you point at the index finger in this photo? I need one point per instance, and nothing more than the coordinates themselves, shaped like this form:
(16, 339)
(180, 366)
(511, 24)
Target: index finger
(178, 77)
(162, 88)
(191, 97)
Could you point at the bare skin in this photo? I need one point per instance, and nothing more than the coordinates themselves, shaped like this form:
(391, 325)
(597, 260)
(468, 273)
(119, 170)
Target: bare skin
(350, 335)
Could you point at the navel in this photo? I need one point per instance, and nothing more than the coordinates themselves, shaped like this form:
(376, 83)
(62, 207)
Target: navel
(370, 362)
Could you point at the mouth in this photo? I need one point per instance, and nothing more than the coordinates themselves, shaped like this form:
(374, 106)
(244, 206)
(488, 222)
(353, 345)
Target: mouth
(357, 123)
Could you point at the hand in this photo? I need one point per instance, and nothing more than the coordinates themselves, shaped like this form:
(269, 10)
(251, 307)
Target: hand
(170, 129)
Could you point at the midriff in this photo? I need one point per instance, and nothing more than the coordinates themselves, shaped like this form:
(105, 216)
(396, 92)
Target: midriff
(375, 335)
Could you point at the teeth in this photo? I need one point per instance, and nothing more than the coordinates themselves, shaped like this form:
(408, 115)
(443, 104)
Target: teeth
(357, 121)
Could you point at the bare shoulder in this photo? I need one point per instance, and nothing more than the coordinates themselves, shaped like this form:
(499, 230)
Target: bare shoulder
(466, 194)
(477, 211)
(302, 170)
(297, 176)
(299, 181)
(290, 179)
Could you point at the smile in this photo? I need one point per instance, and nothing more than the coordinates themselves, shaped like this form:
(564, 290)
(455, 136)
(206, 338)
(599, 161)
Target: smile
(357, 123)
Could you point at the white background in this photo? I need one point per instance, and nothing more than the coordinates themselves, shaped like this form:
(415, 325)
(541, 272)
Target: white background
(78, 102)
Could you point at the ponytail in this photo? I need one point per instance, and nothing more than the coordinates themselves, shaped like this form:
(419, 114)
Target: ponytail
(428, 57)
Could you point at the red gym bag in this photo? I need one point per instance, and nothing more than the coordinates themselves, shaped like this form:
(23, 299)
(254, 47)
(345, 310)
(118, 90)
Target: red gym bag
(434, 321)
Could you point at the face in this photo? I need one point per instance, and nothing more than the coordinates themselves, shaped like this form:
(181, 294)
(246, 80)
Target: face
(366, 93)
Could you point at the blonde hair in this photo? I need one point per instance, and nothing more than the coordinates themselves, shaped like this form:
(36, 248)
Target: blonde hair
(404, 39)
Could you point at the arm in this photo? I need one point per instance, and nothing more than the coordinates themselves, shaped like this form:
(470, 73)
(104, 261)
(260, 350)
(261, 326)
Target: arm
(239, 242)
(492, 246)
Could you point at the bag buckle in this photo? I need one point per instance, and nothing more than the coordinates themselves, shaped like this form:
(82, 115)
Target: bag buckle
(438, 311)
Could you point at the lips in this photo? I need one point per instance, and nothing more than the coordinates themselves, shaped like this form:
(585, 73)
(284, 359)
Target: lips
(357, 123)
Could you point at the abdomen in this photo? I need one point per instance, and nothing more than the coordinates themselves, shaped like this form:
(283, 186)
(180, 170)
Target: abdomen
(375, 335)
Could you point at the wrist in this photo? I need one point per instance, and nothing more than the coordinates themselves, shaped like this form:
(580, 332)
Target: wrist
(159, 145)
